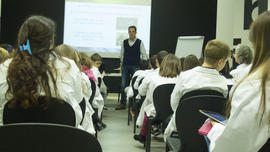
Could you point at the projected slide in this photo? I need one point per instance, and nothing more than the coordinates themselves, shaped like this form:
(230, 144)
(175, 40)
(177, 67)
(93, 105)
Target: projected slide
(101, 26)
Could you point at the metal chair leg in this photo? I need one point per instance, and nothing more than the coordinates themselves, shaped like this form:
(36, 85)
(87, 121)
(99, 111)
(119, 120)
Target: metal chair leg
(148, 134)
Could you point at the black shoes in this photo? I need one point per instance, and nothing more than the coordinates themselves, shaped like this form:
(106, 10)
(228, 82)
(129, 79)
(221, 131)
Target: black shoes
(100, 126)
(140, 138)
(120, 107)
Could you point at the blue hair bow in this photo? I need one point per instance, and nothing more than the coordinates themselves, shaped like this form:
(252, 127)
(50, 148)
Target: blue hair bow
(26, 47)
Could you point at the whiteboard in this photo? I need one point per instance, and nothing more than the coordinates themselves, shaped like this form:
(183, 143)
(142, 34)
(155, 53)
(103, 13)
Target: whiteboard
(187, 45)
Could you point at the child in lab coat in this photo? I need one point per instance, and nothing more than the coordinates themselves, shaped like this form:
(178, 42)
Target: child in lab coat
(205, 77)
(143, 88)
(248, 111)
(35, 70)
(68, 52)
(169, 70)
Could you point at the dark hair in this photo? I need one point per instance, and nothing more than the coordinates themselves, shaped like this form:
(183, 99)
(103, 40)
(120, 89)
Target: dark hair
(170, 66)
(201, 60)
(182, 59)
(161, 55)
(133, 26)
(190, 62)
(259, 36)
(153, 61)
(96, 57)
(28, 73)
(143, 64)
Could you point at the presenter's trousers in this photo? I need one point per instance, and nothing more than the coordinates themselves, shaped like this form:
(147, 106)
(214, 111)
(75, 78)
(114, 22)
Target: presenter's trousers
(127, 73)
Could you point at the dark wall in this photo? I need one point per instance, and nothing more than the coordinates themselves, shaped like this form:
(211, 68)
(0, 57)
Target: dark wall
(169, 19)
(14, 12)
(173, 18)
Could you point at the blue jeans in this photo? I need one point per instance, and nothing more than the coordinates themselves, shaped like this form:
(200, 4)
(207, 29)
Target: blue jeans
(127, 73)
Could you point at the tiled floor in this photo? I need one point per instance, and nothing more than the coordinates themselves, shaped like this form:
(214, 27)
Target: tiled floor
(118, 136)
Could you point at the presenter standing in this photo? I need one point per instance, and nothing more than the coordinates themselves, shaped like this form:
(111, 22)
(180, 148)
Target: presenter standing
(132, 51)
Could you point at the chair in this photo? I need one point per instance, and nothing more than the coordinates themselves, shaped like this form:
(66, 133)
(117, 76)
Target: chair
(266, 147)
(93, 88)
(189, 120)
(95, 115)
(131, 100)
(99, 81)
(83, 107)
(39, 137)
(161, 99)
(136, 107)
(56, 112)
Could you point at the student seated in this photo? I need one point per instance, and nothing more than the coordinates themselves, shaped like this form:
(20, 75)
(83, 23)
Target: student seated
(86, 65)
(70, 53)
(243, 56)
(35, 70)
(4, 55)
(143, 88)
(248, 111)
(205, 77)
(152, 66)
(169, 70)
(97, 61)
(143, 66)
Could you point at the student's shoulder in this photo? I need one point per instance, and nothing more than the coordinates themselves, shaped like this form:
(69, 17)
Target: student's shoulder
(5, 64)
(188, 73)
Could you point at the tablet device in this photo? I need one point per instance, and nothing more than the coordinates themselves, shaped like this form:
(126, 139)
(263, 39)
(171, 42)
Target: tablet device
(214, 116)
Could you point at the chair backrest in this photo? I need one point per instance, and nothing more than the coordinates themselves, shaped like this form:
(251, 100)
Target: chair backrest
(189, 120)
(93, 88)
(56, 112)
(201, 92)
(99, 82)
(266, 146)
(83, 107)
(140, 82)
(161, 99)
(33, 137)
(135, 91)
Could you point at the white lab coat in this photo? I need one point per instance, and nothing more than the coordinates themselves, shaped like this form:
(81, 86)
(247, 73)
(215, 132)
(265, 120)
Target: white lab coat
(87, 123)
(240, 72)
(138, 73)
(141, 76)
(143, 92)
(243, 132)
(157, 80)
(194, 79)
(146, 81)
(68, 82)
(198, 78)
(98, 101)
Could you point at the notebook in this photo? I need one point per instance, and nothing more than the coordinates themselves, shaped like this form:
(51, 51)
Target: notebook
(214, 116)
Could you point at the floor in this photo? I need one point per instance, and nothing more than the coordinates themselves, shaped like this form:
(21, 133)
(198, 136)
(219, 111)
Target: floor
(118, 136)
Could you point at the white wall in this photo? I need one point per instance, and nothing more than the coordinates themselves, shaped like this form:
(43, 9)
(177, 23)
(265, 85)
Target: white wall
(224, 21)
(230, 21)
